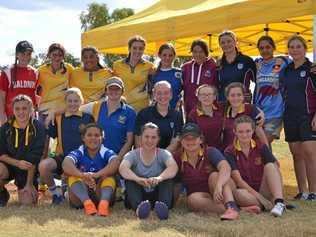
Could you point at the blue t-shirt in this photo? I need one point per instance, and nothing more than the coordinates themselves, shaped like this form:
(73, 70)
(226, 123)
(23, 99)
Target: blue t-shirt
(174, 77)
(85, 163)
(116, 125)
(268, 95)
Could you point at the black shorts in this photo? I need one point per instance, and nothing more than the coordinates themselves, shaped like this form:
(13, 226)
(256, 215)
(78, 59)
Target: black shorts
(19, 176)
(297, 127)
(59, 161)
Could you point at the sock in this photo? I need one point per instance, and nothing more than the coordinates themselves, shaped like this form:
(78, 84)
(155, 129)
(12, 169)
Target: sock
(281, 200)
(54, 191)
(80, 190)
(106, 193)
(231, 204)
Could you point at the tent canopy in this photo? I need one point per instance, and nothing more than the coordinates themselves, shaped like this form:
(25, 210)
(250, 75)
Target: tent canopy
(180, 22)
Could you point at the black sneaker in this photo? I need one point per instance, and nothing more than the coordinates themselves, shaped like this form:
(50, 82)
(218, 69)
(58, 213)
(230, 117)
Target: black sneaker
(311, 197)
(4, 197)
(301, 196)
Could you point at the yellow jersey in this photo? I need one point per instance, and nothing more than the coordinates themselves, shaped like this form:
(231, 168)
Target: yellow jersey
(91, 84)
(135, 81)
(53, 86)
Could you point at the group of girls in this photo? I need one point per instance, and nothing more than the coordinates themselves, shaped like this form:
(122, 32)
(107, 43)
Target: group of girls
(222, 155)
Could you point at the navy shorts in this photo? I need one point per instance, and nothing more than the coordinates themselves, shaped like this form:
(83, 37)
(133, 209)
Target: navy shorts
(19, 176)
(297, 127)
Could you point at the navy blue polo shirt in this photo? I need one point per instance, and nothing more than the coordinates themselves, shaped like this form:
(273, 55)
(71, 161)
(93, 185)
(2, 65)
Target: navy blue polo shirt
(116, 125)
(69, 125)
(169, 125)
(242, 69)
(299, 88)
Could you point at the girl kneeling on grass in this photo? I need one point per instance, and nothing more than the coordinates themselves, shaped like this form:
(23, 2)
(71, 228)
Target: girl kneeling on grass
(22, 141)
(254, 169)
(148, 172)
(90, 169)
(205, 174)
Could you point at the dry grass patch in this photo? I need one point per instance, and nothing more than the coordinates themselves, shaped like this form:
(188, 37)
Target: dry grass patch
(61, 221)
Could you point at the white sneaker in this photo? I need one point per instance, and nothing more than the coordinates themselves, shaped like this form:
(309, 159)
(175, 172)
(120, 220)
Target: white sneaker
(278, 209)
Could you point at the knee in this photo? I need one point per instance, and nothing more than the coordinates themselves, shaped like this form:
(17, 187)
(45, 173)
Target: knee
(44, 166)
(193, 201)
(3, 173)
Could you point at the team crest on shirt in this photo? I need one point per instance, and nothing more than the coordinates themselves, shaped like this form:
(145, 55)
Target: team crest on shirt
(240, 66)
(121, 119)
(258, 160)
(303, 74)
(178, 75)
(207, 73)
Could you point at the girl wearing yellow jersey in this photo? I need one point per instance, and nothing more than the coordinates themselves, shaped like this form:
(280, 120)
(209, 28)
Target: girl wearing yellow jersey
(91, 77)
(134, 71)
(54, 80)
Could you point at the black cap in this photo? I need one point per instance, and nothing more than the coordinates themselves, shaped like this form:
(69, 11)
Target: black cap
(190, 129)
(23, 46)
(115, 81)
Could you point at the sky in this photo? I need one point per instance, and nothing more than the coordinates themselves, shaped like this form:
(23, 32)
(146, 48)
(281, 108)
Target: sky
(43, 22)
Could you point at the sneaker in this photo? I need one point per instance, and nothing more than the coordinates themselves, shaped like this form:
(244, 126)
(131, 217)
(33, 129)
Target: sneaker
(89, 207)
(161, 210)
(4, 197)
(57, 199)
(103, 208)
(229, 215)
(301, 196)
(251, 209)
(311, 197)
(278, 209)
(143, 209)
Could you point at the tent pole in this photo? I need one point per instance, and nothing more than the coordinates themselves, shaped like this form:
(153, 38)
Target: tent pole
(314, 38)
(267, 29)
(210, 42)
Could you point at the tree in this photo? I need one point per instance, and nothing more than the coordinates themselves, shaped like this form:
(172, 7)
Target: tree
(98, 15)
(121, 13)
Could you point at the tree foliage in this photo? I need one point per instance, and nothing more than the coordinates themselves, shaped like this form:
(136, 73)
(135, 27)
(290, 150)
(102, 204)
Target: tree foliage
(98, 15)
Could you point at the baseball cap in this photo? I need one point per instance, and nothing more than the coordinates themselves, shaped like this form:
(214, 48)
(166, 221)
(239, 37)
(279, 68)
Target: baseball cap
(190, 129)
(23, 46)
(115, 81)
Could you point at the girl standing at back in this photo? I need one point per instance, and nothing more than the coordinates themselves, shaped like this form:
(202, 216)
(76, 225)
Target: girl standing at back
(20, 78)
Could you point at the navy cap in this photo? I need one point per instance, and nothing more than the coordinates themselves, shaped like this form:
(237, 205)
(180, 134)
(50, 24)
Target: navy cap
(190, 129)
(23, 46)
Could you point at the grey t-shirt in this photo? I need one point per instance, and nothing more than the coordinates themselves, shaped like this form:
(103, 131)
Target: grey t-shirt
(146, 171)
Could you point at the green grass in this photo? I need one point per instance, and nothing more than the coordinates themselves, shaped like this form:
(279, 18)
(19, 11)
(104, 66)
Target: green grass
(45, 220)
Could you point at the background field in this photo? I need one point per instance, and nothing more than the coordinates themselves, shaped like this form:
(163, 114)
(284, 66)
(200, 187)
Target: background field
(63, 221)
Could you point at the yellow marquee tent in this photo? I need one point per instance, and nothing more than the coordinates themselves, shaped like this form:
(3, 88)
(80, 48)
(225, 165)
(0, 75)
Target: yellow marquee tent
(181, 21)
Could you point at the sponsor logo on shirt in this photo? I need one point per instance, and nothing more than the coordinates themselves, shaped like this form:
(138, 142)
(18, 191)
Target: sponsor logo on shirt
(303, 73)
(207, 73)
(240, 66)
(178, 75)
(258, 160)
(24, 84)
(121, 119)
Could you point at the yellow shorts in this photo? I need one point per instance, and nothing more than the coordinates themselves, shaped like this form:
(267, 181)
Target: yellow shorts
(107, 182)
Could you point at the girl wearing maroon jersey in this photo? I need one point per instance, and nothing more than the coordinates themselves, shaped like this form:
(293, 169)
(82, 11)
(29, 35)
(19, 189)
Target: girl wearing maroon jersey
(208, 115)
(200, 70)
(237, 107)
(254, 170)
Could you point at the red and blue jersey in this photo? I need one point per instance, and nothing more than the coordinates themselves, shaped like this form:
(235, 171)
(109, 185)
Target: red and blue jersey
(174, 77)
(299, 88)
(242, 69)
(268, 95)
(194, 75)
(85, 163)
